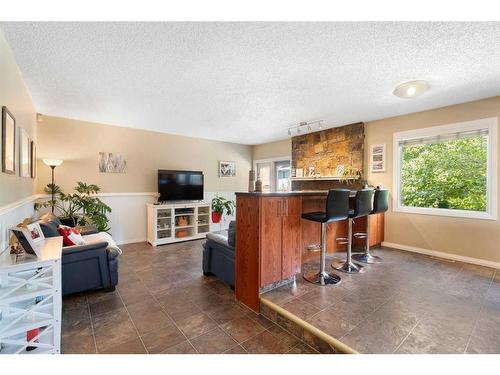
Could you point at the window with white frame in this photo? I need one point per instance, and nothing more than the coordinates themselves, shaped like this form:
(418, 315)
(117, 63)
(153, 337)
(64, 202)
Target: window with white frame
(447, 170)
(274, 173)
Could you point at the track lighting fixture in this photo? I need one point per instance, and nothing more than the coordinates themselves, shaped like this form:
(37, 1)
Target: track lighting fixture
(306, 126)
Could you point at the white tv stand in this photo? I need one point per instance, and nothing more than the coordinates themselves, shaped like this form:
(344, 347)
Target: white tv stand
(176, 222)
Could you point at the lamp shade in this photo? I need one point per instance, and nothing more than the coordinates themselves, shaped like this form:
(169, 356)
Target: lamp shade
(412, 89)
(52, 162)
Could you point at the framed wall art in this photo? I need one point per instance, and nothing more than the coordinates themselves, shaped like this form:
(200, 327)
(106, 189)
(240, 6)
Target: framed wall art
(111, 163)
(377, 158)
(33, 159)
(227, 169)
(8, 142)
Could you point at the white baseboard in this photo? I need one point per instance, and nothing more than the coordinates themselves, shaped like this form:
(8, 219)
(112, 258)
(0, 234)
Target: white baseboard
(440, 254)
(133, 240)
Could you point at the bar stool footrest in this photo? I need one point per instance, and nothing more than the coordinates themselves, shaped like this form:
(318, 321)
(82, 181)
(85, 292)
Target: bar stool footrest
(342, 240)
(366, 258)
(313, 247)
(322, 279)
(348, 267)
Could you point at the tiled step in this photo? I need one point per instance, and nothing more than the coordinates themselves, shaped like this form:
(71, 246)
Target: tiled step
(304, 331)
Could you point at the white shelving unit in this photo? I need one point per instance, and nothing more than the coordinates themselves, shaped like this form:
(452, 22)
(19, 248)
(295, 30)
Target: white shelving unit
(169, 223)
(30, 300)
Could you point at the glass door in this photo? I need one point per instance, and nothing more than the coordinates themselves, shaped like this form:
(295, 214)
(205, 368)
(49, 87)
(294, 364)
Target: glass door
(275, 174)
(264, 172)
(282, 175)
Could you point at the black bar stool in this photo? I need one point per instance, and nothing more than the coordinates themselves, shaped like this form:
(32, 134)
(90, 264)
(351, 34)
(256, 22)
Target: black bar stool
(362, 207)
(337, 209)
(380, 204)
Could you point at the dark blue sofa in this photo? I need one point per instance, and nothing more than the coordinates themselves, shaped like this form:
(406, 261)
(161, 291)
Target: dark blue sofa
(218, 255)
(85, 267)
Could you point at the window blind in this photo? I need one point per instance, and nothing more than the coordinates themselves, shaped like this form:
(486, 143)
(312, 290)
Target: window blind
(445, 137)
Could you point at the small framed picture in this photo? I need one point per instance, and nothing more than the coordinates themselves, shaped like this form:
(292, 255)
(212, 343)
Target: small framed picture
(23, 235)
(8, 142)
(35, 232)
(312, 172)
(377, 158)
(227, 169)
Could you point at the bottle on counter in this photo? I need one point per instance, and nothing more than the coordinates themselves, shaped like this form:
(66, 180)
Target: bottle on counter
(251, 181)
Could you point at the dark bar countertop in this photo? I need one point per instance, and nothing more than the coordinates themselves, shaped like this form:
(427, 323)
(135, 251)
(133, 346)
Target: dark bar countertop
(289, 193)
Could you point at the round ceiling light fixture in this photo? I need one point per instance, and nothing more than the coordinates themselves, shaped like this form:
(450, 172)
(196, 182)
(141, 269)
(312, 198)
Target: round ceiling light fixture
(410, 89)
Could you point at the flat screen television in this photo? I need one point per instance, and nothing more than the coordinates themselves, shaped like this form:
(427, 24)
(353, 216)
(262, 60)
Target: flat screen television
(180, 185)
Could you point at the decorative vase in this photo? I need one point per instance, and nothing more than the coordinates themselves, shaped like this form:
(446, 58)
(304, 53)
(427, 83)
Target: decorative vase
(216, 217)
(258, 186)
(251, 181)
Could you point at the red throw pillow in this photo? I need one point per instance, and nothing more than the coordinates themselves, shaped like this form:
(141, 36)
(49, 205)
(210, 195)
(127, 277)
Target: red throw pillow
(71, 236)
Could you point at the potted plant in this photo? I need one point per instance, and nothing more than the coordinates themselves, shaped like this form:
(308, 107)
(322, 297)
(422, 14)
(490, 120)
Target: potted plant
(221, 206)
(80, 208)
(350, 174)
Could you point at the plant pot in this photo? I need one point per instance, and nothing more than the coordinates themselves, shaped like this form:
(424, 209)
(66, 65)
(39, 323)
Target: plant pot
(216, 217)
(67, 222)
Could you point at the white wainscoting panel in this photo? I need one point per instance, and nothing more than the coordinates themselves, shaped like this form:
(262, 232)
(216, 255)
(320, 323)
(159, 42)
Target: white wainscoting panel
(13, 214)
(226, 219)
(128, 218)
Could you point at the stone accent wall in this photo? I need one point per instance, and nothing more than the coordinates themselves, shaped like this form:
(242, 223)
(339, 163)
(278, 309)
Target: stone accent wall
(325, 150)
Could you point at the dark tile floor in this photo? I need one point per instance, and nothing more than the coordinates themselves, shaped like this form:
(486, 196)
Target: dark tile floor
(163, 304)
(410, 303)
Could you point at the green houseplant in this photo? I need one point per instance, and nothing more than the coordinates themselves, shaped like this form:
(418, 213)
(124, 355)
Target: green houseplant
(221, 206)
(350, 174)
(82, 207)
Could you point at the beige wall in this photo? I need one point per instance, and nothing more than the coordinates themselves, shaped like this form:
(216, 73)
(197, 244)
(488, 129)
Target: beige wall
(15, 96)
(467, 237)
(78, 143)
(272, 150)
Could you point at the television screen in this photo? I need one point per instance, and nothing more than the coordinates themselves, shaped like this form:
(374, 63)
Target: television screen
(180, 185)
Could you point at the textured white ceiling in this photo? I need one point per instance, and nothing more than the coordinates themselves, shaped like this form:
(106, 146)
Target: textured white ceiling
(247, 82)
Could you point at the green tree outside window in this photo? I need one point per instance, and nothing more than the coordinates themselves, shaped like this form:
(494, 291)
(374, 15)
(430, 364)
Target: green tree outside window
(451, 174)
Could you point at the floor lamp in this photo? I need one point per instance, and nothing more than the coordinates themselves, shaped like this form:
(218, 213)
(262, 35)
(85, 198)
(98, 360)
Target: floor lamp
(52, 163)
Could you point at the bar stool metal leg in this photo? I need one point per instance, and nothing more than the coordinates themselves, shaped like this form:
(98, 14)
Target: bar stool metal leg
(321, 277)
(367, 257)
(348, 266)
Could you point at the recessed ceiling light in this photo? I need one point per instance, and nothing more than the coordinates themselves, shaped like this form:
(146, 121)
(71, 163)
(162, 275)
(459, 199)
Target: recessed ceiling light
(411, 89)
